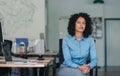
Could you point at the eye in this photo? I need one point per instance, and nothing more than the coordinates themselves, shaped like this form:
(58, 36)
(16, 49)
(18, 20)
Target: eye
(78, 22)
(83, 23)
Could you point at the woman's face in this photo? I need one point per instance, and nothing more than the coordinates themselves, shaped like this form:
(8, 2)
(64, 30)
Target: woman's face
(80, 25)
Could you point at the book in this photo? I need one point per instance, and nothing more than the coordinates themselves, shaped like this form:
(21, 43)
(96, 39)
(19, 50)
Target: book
(22, 45)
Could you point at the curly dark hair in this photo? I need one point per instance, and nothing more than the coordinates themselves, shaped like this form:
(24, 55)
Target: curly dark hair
(72, 21)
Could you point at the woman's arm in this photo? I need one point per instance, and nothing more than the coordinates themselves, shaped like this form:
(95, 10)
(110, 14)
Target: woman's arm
(93, 55)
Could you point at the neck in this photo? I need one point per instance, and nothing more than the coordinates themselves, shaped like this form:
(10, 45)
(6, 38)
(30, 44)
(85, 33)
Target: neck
(78, 35)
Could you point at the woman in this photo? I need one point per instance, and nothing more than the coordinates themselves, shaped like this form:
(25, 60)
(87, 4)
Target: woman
(77, 46)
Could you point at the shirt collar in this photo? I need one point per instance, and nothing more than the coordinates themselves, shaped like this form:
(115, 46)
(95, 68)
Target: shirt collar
(74, 38)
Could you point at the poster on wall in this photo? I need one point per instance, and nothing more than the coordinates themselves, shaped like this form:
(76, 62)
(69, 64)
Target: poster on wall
(97, 27)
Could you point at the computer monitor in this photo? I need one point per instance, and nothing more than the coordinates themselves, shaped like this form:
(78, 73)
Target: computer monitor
(1, 39)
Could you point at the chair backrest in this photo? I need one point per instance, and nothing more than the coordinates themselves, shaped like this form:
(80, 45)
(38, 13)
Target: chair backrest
(61, 58)
(9, 42)
(7, 45)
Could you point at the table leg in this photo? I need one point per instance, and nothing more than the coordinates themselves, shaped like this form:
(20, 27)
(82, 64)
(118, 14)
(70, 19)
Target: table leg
(54, 66)
(46, 71)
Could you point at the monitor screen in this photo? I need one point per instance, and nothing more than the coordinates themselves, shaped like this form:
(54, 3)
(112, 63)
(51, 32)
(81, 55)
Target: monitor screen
(1, 38)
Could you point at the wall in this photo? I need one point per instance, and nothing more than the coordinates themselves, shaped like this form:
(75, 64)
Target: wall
(64, 8)
(111, 9)
(22, 18)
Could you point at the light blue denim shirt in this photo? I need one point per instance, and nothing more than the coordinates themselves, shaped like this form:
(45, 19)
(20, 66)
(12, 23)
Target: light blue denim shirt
(76, 52)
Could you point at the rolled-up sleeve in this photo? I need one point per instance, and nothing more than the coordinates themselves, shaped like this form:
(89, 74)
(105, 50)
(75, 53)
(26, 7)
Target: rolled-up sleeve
(93, 55)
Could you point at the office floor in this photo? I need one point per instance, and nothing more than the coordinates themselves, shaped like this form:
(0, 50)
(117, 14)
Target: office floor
(109, 71)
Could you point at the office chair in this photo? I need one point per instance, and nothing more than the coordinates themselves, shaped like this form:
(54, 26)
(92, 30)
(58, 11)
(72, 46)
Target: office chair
(61, 59)
(8, 43)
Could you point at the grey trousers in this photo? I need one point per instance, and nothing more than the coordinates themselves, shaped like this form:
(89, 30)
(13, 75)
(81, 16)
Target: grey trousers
(67, 71)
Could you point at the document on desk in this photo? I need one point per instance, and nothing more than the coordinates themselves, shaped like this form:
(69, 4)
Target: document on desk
(26, 62)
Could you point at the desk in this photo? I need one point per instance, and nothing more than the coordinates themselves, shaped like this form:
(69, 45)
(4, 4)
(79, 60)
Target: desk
(40, 64)
(54, 55)
(46, 54)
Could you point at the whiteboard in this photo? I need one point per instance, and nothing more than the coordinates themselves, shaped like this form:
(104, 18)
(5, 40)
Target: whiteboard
(25, 19)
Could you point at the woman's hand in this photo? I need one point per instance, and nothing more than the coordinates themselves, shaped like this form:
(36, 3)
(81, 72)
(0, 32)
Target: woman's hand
(84, 68)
